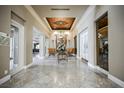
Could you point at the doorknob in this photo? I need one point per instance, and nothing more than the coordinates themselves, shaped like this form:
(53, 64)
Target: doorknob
(11, 58)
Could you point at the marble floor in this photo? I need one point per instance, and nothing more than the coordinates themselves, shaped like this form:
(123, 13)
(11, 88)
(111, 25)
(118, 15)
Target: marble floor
(47, 73)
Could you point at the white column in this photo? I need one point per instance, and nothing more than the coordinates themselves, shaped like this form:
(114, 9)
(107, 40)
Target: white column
(78, 45)
(41, 47)
(47, 46)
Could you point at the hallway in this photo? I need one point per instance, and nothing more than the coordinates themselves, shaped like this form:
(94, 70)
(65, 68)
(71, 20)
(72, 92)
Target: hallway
(48, 73)
(34, 37)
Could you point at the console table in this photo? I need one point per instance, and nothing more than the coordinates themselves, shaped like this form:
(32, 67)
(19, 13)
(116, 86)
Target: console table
(62, 56)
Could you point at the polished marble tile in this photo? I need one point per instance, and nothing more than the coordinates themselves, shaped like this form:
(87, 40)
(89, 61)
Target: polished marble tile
(47, 73)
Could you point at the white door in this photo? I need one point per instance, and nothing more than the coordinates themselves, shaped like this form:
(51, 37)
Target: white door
(16, 47)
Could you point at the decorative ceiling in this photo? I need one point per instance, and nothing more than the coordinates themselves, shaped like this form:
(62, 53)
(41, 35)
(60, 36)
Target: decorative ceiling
(60, 23)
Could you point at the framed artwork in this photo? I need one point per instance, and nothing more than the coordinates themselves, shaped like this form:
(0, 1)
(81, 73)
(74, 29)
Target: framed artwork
(4, 39)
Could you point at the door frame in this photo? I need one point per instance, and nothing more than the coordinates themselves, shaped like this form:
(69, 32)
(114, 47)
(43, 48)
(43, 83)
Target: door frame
(95, 35)
(41, 42)
(20, 48)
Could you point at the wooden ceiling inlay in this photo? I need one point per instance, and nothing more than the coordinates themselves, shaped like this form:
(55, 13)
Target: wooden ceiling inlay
(61, 23)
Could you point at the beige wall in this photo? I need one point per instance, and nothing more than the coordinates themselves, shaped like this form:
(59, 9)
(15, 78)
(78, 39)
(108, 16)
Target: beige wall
(87, 21)
(74, 32)
(4, 50)
(28, 26)
(116, 41)
(115, 36)
(4, 60)
(5, 20)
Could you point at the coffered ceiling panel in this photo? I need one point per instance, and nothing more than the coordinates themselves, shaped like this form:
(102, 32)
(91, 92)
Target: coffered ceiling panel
(70, 13)
(59, 23)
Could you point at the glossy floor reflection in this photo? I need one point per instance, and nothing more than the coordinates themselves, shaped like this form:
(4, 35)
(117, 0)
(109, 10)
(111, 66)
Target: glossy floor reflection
(48, 73)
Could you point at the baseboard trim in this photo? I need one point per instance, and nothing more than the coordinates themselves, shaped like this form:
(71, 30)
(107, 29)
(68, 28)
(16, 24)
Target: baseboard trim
(90, 65)
(29, 65)
(13, 73)
(116, 80)
(98, 68)
(4, 79)
(111, 77)
(102, 70)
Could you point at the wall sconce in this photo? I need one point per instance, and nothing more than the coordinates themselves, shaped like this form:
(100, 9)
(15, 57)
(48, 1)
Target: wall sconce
(99, 35)
(66, 33)
(55, 33)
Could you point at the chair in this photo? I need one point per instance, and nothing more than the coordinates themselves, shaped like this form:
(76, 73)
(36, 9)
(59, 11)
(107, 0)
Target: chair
(71, 51)
(51, 51)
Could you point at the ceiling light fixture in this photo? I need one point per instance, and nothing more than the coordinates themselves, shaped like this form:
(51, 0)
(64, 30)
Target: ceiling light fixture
(66, 9)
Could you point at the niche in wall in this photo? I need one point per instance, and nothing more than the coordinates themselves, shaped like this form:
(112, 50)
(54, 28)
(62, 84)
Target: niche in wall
(75, 44)
(102, 41)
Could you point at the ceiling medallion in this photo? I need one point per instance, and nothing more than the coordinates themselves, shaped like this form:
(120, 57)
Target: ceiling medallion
(61, 23)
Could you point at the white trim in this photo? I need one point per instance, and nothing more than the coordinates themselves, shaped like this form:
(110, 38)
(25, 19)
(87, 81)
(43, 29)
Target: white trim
(29, 65)
(20, 48)
(17, 70)
(101, 70)
(37, 17)
(4, 79)
(78, 57)
(90, 65)
(116, 80)
(111, 77)
(98, 68)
